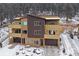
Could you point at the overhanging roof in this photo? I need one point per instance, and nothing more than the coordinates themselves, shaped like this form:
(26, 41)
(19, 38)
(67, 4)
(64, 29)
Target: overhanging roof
(50, 17)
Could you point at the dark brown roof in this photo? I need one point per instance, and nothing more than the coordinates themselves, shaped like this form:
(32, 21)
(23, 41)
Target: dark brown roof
(50, 17)
(47, 17)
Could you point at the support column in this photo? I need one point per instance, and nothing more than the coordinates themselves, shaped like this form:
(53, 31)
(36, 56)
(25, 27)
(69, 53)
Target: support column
(21, 35)
(10, 40)
(21, 40)
(58, 43)
(43, 42)
(39, 42)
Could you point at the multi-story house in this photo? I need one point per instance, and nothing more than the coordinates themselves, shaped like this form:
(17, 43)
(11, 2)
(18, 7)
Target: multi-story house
(36, 30)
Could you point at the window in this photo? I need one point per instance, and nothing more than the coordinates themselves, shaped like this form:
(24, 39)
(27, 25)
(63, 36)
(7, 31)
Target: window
(37, 32)
(16, 40)
(24, 31)
(18, 31)
(37, 23)
(19, 22)
(52, 32)
(24, 23)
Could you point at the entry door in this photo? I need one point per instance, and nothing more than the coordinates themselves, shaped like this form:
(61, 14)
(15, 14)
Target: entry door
(30, 42)
(36, 42)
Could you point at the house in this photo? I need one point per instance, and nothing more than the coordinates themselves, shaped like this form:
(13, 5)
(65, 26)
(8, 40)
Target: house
(36, 31)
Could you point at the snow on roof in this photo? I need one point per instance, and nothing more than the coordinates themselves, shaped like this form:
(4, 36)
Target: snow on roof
(50, 17)
(18, 18)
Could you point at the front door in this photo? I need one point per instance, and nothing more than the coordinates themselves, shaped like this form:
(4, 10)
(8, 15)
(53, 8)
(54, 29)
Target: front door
(17, 40)
(36, 42)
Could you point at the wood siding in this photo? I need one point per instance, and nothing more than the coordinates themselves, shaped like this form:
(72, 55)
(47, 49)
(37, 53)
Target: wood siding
(23, 35)
(15, 35)
(24, 19)
(51, 36)
(14, 26)
(31, 27)
(57, 28)
(24, 28)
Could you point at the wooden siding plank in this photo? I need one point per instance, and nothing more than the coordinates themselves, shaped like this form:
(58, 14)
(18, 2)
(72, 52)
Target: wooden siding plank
(14, 26)
(52, 36)
(15, 35)
(23, 27)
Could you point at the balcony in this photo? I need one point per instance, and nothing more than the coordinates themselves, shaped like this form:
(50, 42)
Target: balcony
(57, 28)
(15, 34)
(24, 35)
(15, 26)
(53, 27)
(51, 36)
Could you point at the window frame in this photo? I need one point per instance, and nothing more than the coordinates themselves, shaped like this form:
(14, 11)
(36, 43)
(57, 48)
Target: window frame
(23, 31)
(37, 23)
(37, 32)
(18, 31)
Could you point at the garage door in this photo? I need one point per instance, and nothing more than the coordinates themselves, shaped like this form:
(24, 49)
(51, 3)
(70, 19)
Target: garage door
(51, 42)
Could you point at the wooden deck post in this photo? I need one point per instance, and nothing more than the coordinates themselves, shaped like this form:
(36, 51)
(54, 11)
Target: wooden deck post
(58, 43)
(43, 42)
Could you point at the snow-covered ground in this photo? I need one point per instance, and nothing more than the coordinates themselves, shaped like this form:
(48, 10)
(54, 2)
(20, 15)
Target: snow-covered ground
(3, 34)
(67, 45)
(21, 50)
(71, 45)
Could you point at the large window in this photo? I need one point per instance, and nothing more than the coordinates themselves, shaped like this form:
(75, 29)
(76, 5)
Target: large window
(24, 23)
(18, 31)
(24, 31)
(52, 32)
(37, 32)
(16, 40)
(37, 23)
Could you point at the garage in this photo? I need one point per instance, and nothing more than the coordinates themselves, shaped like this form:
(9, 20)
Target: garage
(51, 42)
